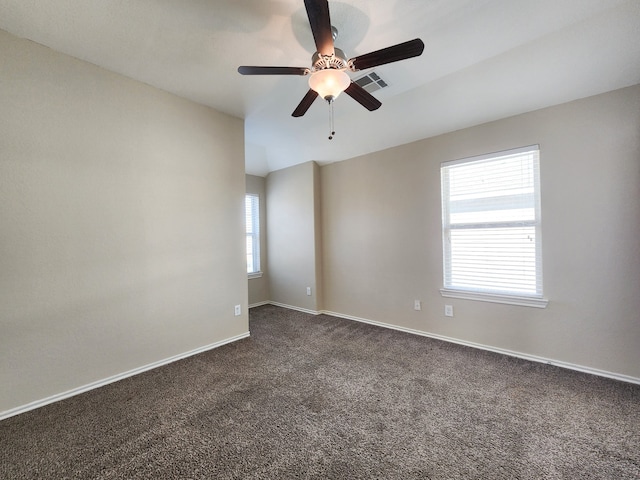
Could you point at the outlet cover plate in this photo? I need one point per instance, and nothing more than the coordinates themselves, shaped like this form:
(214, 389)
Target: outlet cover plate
(448, 310)
(237, 310)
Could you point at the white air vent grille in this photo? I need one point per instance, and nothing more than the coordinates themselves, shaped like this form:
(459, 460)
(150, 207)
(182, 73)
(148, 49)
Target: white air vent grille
(371, 82)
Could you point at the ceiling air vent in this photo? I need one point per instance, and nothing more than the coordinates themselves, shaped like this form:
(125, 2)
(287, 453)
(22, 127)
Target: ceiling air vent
(371, 82)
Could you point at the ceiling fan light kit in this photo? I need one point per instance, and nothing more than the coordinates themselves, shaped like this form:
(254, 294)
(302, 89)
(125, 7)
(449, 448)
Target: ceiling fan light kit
(329, 83)
(329, 65)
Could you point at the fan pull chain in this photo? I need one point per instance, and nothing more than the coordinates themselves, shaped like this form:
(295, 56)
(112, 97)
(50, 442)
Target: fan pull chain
(331, 127)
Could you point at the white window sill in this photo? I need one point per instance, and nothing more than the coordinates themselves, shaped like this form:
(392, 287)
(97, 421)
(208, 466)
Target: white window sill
(496, 298)
(255, 275)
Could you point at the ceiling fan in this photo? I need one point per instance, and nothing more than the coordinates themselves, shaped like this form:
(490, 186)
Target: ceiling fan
(328, 76)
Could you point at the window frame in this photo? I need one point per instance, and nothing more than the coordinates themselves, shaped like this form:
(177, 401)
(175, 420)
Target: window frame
(252, 230)
(479, 292)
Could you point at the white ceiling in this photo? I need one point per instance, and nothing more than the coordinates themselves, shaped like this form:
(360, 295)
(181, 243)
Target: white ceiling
(483, 60)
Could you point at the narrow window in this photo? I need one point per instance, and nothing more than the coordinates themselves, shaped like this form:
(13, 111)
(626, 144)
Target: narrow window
(252, 215)
(491, 227)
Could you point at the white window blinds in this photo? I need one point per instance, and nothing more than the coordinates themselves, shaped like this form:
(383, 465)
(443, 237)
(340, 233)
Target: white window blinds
(491, 223)
(252, 216)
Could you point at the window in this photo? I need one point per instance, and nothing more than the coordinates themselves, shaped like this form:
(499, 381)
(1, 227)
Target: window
(252, 215)
(491, 227)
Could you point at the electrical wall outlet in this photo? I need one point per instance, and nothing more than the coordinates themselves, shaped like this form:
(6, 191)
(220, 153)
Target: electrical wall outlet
(237, 310)
(448, 310)
(308, 290)
(417, 305)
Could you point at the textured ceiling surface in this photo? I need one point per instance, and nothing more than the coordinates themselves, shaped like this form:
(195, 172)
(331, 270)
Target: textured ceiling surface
(483, 60)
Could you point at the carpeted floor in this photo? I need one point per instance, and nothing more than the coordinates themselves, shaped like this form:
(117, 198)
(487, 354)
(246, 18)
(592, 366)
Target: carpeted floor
(325, 398)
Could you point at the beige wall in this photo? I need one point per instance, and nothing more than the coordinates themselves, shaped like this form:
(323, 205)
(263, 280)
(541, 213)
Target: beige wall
(293, 212)
(382, 247)
(121, 214)
(259, 287)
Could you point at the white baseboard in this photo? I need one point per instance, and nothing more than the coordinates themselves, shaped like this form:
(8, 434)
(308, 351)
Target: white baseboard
(100, 383)
(525, 356)
(293, 307)
(259, 304)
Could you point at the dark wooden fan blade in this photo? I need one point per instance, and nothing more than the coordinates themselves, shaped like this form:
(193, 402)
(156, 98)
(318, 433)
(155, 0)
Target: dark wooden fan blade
(401, 51)
(363, 97)
(304, 105)
(320, 22)
(245, 70)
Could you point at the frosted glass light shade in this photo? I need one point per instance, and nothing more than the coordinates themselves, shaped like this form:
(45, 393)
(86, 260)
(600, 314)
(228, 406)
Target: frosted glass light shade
(329, 83)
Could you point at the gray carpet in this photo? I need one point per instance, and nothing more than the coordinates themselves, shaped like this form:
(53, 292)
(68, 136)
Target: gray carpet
(325, 398)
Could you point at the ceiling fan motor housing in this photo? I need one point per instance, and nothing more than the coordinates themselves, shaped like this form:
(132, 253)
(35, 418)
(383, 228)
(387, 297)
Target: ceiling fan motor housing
(336, 61)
